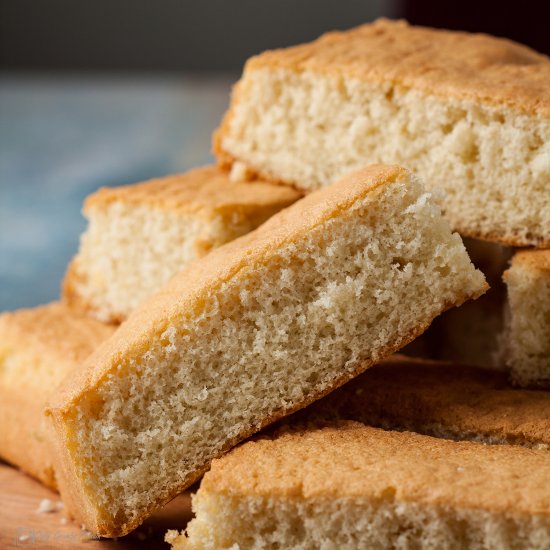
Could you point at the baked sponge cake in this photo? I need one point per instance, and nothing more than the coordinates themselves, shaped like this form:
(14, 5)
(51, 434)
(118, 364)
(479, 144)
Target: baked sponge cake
(141, 235)
(350, 486)
(255, 330)
(469, 113)
(440, 399)
(38, 348)
(526, 340)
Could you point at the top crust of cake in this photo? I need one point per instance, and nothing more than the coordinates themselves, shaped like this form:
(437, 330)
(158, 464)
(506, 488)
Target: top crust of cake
(186, 292)
(461, 65)
(417, 393)
(205, 191)
(348, 459)
(53, 331)
(536, 260)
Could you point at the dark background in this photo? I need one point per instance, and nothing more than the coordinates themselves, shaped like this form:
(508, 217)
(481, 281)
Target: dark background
(218, 35)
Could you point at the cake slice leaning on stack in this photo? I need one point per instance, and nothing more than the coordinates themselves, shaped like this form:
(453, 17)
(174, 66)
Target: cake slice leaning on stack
(255, 330)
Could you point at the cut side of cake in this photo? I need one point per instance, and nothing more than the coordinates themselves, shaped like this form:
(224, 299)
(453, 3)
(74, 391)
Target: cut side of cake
(347, 486)
(255, 330)
(140, 235)
(445, 400)
(38, 348)
(469, 113)
(525, 343)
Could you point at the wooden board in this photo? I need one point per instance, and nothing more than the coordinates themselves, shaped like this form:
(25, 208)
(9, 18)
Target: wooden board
(22, 526)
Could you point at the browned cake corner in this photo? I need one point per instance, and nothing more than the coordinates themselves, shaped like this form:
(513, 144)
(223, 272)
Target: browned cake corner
(206, 191)
(38, 348)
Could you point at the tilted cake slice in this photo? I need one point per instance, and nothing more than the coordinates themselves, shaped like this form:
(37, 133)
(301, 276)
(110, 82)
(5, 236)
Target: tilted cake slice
(440, 399)
(525, 342)
(348, 486)
(469, 113)
(141, 235)
(255, 330)
(38, 348)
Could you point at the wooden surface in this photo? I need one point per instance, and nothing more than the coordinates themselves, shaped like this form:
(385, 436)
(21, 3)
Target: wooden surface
(22, 526)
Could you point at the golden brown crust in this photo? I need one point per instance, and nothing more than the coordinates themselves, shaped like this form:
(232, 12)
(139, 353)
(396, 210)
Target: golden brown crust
(205, 191)
(348, 459)
(52, 331)
(535, 260)
(431, 397)
(22, 436)
(474, 67)
(501, 237)
(42, 345)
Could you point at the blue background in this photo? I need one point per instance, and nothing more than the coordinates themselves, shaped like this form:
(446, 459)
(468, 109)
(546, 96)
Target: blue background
(63, 138)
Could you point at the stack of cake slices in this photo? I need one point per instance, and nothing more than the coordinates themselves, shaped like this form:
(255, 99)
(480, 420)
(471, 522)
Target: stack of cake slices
(264, 299)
